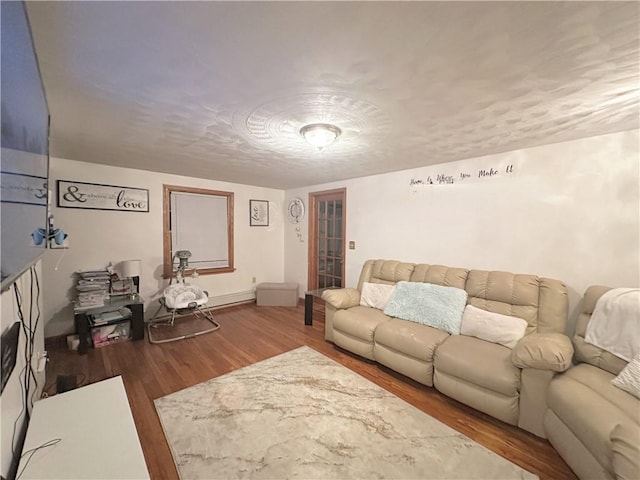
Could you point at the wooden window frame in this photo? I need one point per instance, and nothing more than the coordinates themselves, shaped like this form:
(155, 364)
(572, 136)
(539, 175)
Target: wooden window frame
(166, 228)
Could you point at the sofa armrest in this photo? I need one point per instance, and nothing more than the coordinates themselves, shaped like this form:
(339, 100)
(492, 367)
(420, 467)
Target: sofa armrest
(544, 351)
(342, 297)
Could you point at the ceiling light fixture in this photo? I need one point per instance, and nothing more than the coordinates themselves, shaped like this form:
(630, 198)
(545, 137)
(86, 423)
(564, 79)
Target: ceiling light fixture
(320, 134)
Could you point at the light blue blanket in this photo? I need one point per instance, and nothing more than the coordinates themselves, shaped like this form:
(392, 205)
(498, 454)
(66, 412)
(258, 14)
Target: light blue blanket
(428, 304)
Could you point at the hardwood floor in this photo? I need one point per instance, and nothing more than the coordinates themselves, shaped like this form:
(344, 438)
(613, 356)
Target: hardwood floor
(249, 334)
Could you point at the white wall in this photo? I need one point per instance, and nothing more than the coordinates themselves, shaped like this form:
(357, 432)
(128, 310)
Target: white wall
(11, 401)
(97, 237)
(568, 211)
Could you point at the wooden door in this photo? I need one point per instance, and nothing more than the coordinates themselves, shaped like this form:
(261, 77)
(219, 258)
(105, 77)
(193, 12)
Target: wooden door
(327, 220)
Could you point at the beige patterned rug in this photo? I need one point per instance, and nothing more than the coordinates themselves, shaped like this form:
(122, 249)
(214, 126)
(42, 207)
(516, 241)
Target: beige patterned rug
(300, 415)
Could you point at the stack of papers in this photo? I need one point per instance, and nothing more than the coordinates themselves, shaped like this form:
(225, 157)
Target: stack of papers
(93, 288)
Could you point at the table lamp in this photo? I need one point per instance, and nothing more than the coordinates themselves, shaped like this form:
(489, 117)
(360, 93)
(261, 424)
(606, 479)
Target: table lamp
(131, 269)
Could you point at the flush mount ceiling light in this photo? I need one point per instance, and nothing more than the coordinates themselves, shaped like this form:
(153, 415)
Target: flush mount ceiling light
(320, 134)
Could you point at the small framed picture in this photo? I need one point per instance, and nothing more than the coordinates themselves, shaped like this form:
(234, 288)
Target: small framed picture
(258, 213)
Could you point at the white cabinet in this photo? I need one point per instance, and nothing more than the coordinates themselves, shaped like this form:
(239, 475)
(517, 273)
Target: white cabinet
(98, 438)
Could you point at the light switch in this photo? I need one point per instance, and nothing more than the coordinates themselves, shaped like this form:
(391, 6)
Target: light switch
(352, 245)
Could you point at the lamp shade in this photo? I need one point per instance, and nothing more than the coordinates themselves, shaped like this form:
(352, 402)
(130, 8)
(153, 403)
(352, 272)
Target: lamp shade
(130, 268)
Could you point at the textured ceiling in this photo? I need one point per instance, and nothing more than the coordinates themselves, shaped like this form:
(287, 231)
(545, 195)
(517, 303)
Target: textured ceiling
(220, 90)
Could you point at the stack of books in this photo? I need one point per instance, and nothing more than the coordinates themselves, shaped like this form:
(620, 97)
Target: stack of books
(92, 288)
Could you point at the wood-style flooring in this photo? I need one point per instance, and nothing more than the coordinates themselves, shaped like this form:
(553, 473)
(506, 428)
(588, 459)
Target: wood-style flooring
(249, 334)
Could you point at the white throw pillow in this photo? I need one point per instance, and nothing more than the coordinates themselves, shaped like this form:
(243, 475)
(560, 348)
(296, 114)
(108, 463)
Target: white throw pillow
(376, 295)
(492, 327)
(629, 378)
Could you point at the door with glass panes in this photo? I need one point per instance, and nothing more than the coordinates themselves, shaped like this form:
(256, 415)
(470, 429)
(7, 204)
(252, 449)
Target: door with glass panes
(327, 221)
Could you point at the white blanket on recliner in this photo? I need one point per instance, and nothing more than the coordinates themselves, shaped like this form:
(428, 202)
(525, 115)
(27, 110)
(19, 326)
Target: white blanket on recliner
(615, 323)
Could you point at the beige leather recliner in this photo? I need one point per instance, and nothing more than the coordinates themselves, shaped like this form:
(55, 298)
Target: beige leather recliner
(594, 425)
(507, 384)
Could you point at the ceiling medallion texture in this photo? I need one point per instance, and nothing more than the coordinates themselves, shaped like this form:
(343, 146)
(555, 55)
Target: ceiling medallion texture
(276, 122)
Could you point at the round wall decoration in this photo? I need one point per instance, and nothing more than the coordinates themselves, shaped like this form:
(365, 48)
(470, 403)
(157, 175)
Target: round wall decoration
(295, 210)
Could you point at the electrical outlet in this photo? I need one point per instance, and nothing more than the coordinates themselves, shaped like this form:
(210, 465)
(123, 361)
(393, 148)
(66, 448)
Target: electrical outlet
(253, 279)
(42, 359)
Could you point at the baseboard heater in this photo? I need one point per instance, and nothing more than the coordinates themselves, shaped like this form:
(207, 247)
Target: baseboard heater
(231, 298)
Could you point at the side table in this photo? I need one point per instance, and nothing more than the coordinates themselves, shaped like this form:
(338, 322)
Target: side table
(308, 303)
(135, 303)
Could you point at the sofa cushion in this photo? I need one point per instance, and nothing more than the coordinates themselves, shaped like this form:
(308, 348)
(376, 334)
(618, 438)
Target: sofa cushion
(625, 440)
(599, 381)
(502, 407)
(479, 362)
(410, 338)
(428, 304)
(359, 322)
(573, 451)
(586, 402)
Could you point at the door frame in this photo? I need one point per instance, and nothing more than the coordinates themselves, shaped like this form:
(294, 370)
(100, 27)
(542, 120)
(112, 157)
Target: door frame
(312, 270)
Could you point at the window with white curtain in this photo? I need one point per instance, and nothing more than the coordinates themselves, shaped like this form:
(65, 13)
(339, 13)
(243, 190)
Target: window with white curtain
(200, 221)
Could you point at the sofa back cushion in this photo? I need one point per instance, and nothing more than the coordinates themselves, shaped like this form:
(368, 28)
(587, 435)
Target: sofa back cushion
(542, 302)
(505, 293)
(440, 275)
(585, 352)
(388, 272)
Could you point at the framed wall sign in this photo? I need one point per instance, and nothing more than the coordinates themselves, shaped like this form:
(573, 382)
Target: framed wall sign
(259, 213)
(24, 189)
(96, 196)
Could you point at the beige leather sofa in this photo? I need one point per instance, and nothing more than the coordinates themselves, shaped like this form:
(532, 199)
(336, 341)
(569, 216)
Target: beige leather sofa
(507, 384)
(594, 425)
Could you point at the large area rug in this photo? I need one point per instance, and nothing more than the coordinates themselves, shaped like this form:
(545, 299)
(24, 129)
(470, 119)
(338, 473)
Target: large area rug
(301, 415)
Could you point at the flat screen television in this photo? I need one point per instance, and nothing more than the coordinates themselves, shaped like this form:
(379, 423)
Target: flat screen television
(24, 164)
